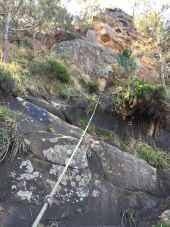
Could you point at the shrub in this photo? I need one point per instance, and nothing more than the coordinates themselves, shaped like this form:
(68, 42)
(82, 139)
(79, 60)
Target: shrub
(89, 85)
(52, 68)
(11, 79)
(138, 90)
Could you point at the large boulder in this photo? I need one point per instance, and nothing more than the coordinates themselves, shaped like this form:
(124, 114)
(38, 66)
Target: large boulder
(89, 58)
(100, 184)
(112, 32)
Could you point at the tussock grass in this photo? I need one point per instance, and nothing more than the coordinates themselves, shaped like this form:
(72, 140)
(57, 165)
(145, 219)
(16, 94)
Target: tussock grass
(89, 85)
(11, 141)
(131, 217)
(153, 156)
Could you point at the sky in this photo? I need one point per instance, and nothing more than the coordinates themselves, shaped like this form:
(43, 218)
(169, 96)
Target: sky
(74, 8)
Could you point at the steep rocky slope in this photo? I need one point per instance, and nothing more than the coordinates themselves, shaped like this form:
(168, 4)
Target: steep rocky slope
(113, 31)
(95, 55)
(104, 186)
(100, 185)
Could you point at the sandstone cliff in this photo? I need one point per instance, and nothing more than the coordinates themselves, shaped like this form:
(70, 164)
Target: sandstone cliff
(113, 31)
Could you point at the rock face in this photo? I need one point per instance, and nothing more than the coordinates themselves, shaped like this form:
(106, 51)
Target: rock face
(113, 32)
(87, 57)
(100, 184)
(115, 29)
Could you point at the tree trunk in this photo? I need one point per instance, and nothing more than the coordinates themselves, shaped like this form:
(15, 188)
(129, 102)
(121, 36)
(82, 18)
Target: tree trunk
(162, 70)
(6, 37)
(34, 40)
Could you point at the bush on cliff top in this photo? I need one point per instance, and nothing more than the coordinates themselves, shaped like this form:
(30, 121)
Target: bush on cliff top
(128, 95)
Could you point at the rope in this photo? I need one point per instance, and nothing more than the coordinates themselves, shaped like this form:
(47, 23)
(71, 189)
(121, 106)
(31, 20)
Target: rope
(49, 198)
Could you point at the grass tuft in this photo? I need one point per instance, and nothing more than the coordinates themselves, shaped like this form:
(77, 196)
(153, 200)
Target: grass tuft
(130, 217)
(11, 141)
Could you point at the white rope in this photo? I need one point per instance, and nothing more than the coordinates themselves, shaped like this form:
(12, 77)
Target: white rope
(49, 198)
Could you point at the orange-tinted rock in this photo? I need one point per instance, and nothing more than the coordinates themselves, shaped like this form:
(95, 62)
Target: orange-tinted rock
(148, 63)
(115, 29)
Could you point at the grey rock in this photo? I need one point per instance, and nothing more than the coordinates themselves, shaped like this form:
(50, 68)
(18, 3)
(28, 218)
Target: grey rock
(89, 58)
(95, 190)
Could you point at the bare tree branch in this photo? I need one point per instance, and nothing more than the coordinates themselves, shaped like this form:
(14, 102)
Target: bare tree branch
(19, 5)
(26, 28)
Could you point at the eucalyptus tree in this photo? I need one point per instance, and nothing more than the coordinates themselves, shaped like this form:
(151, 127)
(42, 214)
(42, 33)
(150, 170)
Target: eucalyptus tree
(16, 16)
(152, 22)
(24, 15)
(89, 8)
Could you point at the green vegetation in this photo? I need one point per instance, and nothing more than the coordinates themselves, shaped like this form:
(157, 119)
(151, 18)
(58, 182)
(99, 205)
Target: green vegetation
(63, 94)
(131, 216)
(154, 157)
(38, 77)
(89, 85)
(11, 79)
(11, 141)
(103, 134)
(127, 95)
(51, 68)
(127, 61)
(160, 224)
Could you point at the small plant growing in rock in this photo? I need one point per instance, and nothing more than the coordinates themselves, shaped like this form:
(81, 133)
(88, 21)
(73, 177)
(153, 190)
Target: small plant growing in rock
(159, 224)
(130, 217)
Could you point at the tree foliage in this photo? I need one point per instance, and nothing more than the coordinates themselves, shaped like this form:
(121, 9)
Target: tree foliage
(153, 24)
(24, 15)
(89, 8)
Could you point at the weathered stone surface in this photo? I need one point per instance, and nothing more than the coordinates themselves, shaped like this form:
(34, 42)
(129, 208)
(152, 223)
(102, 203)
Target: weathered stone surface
(57, 148)
(116, 168)
(89, 58)
(115, 29)
(42, 103)
(96, 189)
(112, 33)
